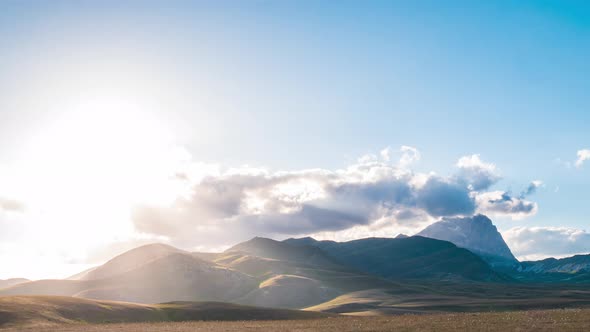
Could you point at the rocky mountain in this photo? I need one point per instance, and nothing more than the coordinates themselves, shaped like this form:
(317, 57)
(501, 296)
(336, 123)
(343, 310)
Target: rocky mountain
(413, 257)
(477, 234)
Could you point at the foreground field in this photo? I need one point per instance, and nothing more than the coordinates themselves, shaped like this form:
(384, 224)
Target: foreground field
(43, 311)
(545, 320)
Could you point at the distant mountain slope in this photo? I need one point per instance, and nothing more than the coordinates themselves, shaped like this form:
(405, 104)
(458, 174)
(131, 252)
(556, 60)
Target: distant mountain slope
(575, 269)
(13, 281)
(407, 258)
(477, 234)
(31, 311)
(574, 264)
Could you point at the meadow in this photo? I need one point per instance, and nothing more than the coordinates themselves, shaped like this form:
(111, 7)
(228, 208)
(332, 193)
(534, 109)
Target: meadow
(534, 320)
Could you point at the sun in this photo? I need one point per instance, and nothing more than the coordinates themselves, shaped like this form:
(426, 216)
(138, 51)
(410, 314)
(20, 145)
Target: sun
(87, 169)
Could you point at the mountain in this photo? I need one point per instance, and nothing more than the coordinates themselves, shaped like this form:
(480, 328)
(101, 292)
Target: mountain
(574, 264)
(293, 276)
(477, 234)
(413, 257)
(302, 254)
(148, 274)
(127, 261)
(10, 282)
(575, 269)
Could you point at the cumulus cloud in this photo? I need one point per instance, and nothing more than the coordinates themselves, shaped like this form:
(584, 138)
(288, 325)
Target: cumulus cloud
(477, 174)
(531, 243)
(367, 197)
(583, 155)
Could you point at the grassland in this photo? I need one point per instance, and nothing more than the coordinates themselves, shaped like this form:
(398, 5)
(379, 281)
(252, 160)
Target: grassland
(50, 311)
(544, 320)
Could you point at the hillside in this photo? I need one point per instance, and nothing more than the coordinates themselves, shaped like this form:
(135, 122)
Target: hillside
(407, 258)
(293, 276)
(172, 277)
(457, 297)
(127, 261)
(39, 311)
(13, 281)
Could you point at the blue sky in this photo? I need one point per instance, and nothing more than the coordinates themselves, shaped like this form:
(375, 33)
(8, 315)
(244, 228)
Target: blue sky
(293, 85)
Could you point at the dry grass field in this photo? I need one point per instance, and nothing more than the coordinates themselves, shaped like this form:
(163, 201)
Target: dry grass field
(537, 320)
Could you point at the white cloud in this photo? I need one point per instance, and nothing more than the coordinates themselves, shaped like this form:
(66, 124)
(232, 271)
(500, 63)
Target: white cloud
(503, 204)
(409, 156)
(531, 243)
(477, 174)
(583, 155)
(366, 198)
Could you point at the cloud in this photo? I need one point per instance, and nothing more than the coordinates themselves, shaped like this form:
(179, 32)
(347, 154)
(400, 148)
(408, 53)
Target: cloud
(441, 197)
(366, 197)
(409, 156)
(541, 242)
(476, 173)
(583, 155)
(531, 189)
(503, 204)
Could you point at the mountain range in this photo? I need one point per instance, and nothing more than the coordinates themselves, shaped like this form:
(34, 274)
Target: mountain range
(468, 266)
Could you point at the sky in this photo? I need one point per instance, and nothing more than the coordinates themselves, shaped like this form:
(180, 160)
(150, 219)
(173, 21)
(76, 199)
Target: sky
(204, 123)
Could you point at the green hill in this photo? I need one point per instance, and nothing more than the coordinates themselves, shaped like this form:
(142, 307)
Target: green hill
(413, 257)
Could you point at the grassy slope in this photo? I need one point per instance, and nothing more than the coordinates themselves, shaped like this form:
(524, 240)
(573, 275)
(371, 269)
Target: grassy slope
(50, 310)
(291, 281)
(458, 297)
(550, 320)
